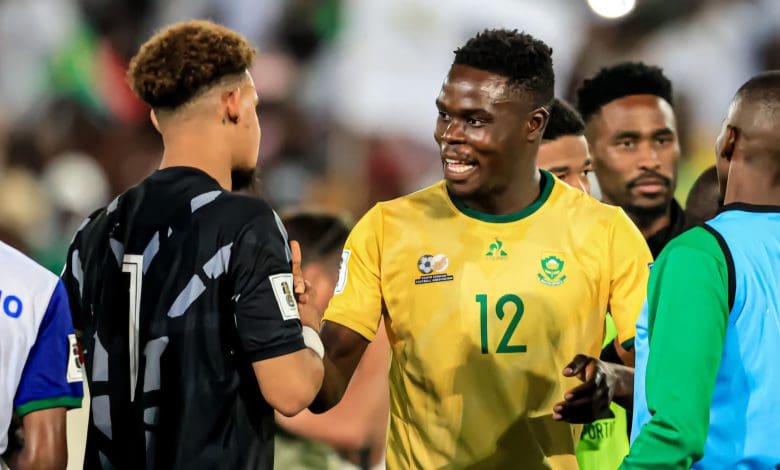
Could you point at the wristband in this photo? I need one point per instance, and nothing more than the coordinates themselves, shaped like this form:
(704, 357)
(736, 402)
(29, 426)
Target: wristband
(312, 341)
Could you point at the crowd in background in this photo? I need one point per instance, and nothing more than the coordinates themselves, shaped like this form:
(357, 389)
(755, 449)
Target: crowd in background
(347, 91)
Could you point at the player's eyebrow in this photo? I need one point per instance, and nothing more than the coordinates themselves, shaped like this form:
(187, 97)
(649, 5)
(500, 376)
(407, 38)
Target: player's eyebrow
(635, 135)
(559, 169)
(663, 132)
(462, 111)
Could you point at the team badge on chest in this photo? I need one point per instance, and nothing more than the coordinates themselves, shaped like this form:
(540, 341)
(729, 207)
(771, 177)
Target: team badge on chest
(552, 271)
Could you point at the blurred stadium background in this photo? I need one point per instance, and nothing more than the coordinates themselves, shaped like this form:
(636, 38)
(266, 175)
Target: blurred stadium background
(347, 90)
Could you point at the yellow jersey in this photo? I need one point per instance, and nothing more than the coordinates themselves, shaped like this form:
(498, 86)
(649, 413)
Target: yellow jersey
(483, 312)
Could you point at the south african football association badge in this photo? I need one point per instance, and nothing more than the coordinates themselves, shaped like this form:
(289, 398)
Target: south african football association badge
(433, 269)
(552, 271)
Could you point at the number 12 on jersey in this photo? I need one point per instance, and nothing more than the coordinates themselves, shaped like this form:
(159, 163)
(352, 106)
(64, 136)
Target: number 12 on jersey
(503, 345)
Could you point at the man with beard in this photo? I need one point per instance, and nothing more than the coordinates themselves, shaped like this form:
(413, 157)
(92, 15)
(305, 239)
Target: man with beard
(183, 293)
(632, 132)
(486, 295)
(708, 338)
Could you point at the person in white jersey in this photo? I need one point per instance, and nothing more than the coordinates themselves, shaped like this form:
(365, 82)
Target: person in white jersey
(40, 366)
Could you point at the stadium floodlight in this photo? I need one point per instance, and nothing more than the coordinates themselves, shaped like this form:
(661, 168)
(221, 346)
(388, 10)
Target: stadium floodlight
(612, 8)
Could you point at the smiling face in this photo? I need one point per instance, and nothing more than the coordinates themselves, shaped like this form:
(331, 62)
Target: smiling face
(635, 151)
(486, 131)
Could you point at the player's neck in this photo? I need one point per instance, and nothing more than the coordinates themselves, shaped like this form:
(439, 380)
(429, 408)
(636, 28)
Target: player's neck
(520, 194)
(649, 226)
(182, 149)
(760, 192)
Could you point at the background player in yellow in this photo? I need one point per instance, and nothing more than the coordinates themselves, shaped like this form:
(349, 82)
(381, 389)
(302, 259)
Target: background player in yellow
(486, 289)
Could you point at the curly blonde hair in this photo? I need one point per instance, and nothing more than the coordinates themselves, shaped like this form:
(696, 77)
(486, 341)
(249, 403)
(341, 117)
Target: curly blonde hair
(177, 63)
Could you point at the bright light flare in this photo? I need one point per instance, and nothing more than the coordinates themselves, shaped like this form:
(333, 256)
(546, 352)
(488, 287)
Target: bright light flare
(612, 8)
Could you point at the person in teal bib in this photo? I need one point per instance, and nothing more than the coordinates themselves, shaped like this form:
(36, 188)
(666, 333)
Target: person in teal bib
(708, 338)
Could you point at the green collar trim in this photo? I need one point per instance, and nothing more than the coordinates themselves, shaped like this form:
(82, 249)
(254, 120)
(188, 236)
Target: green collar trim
(547, 184)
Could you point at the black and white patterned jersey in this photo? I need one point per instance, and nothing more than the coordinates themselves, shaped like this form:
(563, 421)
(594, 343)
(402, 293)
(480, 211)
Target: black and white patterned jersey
(176, 288)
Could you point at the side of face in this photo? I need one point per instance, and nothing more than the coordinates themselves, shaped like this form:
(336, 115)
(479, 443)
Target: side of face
(568, 158)
(635, 149)
(484, 130)
(724, 148)
(242, 124)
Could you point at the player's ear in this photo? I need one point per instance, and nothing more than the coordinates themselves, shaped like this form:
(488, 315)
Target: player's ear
(153, 118)
(729, 143)
(537, 122)
(231, 101)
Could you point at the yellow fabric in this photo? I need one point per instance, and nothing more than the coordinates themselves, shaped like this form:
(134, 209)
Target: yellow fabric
(451, 404)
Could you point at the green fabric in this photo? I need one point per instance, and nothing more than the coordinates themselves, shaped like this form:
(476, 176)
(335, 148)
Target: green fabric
(45, 404)
(604, 443)
(610, 331)
(547, 186)
(687, 320)
(297, 453)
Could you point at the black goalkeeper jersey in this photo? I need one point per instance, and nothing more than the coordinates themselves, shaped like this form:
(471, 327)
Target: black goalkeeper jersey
(176, 288)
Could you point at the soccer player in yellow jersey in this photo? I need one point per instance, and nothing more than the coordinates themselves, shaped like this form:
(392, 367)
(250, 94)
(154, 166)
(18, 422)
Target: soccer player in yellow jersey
(486, 287)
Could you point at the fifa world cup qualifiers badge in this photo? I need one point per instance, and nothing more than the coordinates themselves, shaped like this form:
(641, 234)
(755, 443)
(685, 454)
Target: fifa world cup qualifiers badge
(433, 268)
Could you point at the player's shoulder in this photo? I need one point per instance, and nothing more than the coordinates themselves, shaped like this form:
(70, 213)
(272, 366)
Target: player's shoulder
(242, 208)
(22, 272)
(574, 199)
(697, 239)
(427, 199)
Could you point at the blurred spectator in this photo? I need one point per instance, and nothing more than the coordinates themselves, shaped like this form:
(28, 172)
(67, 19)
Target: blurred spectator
(24, 210)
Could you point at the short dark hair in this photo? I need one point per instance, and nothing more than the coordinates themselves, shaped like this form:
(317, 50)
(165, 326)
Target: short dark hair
(564, 120)
(704, 198)
(764, 86)
(618, 81)
(319, 234)
(523, 59)
(177, 63)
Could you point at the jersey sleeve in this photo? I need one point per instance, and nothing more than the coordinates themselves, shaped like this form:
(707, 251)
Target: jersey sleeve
(688, 292)
(266, 311)
(52, 376)
(630, 262)
(357, 300)
(73, 275)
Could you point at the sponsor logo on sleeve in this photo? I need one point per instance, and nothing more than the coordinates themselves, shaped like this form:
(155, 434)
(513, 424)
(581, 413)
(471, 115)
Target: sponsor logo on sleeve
(343, 272)
(75, 372)
(282, 285)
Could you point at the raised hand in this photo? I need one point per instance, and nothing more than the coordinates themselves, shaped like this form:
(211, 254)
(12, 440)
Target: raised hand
(304, 292)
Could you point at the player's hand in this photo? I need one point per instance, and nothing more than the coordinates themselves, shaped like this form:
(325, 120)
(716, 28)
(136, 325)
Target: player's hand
(304, 292)
(590, 400)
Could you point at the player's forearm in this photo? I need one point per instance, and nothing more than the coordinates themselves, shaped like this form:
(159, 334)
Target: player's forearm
(334, 384)
(44, 446)
(662, 445)
(343, 350)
